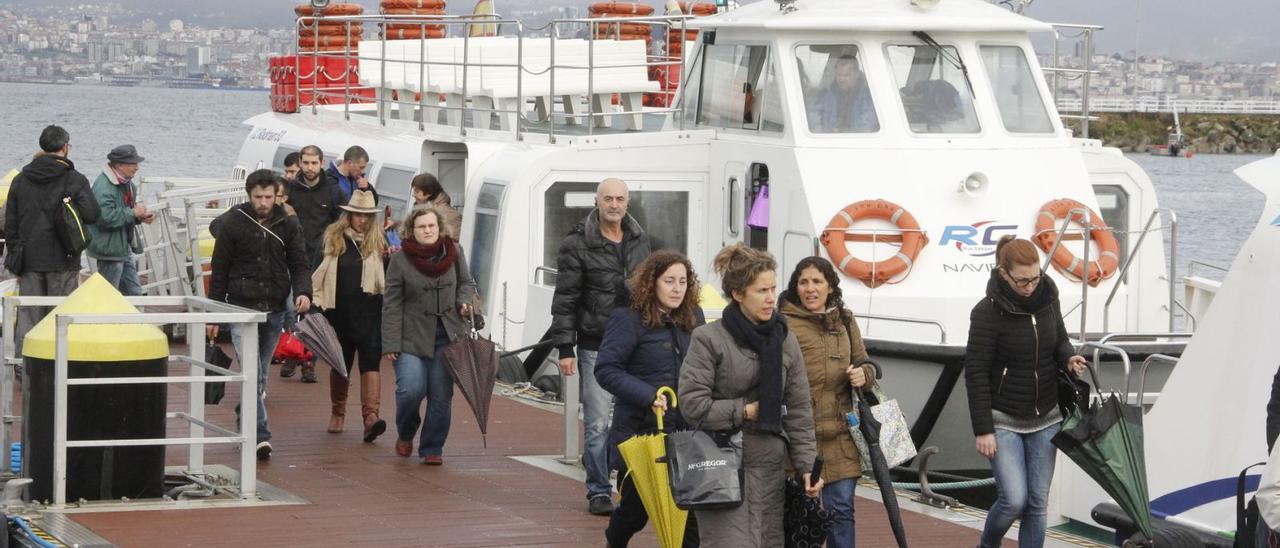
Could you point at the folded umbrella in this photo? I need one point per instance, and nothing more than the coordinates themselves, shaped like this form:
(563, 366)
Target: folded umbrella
(645, 456)
(1106, 441)
(315, 332)
(473, 364)
(870, 429)
(805, 523)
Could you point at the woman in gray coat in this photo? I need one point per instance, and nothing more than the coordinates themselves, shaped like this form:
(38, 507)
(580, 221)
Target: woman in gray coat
(746, 372)
(429, 290)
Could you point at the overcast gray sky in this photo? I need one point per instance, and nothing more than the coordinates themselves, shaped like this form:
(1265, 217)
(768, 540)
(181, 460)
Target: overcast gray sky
(1189, 29)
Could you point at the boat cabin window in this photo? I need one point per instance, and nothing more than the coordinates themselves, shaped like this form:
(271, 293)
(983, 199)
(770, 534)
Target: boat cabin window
(393, 189)
(836, 96)
(277, 163)
(1021, 107)
(935, 91)
(663, 214)
(484, 241)
(734, 87)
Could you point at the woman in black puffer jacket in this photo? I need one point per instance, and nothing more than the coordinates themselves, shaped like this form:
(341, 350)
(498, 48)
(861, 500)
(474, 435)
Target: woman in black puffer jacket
(1017, 345)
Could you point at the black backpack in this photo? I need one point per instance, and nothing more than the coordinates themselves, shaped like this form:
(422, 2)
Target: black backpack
(67, 225)
(1248, 517)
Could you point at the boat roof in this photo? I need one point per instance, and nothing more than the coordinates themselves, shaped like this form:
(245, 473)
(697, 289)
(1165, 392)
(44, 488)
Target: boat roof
(874, 15)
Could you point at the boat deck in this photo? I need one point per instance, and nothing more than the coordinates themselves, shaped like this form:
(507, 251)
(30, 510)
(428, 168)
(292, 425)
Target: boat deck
(363, 494)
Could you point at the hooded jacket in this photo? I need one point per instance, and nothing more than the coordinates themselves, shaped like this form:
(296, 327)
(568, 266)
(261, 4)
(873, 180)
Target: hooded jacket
(257, 265)
(28, 220)
(1016, 348)
(591, 279)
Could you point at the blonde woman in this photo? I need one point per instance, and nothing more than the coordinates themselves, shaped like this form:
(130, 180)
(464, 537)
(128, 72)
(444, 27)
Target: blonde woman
(348, 286)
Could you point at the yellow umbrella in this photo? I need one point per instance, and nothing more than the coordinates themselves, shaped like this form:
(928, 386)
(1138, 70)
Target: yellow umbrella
(641, 453)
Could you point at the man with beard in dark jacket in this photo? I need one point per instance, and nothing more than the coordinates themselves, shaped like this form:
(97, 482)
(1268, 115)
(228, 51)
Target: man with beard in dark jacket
(259, 259)
(46, 267)
(594, 262)
(316, 198)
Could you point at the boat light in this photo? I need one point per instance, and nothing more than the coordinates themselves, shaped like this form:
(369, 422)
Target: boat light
(924, 4)
(975, 185)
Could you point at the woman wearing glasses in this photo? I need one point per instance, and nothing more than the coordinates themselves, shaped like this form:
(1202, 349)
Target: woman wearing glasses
(1017, 345)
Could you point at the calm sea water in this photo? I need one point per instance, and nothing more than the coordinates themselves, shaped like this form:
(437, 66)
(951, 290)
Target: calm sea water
(197, 133)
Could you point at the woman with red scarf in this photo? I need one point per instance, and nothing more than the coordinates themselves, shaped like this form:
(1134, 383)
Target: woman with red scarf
(429, 291)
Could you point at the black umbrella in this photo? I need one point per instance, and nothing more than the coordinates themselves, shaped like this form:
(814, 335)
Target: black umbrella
(319, 337)
(805, 522)
(870, 429)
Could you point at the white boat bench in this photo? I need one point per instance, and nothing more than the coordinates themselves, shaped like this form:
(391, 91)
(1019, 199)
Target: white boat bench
(619, 68)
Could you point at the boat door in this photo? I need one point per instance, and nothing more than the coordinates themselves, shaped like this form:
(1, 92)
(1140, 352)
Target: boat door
(669, 207)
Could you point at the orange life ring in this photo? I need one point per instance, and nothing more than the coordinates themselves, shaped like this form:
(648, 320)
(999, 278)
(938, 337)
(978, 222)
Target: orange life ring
(623, 28)
(309, 42)
(330, 30)
(333, 9)
(413, 4)
(699, 9)
(414, 32)
(1066, 261)
(873, 274)
(410, 11)
(621, 8)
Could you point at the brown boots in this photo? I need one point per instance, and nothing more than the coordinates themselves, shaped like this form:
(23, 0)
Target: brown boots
(338, 397)
(370, 401)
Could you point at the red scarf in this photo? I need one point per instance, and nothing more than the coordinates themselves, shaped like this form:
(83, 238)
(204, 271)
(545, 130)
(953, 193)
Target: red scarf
(431, 259)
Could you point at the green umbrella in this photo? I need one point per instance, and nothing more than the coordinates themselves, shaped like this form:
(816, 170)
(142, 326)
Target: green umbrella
(1106, 442)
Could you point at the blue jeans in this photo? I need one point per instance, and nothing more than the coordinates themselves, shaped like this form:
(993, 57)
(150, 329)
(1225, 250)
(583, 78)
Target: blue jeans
(837, 498)
(418, 378)
(1023, 469)
(268, 336)
(596, 403)
(123, 275)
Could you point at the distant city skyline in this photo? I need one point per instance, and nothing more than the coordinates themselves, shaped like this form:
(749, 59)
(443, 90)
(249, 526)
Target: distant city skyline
(1181, 29)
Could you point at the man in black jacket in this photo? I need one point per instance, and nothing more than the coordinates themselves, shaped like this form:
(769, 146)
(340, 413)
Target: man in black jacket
(259, 259)
(316, 198)
(594, 262)
(46, 268)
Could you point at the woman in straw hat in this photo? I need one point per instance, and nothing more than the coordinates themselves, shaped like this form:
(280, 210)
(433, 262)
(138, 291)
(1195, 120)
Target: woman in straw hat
(348, 286)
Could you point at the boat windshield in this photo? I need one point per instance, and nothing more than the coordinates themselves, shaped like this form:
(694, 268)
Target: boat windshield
(836, 96)
(1021, 107)
(934, 88)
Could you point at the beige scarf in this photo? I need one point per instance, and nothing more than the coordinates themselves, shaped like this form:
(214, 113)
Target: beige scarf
(324, 281)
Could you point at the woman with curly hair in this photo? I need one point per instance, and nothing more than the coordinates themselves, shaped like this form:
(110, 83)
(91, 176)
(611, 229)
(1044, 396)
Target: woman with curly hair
(836, 361)
(642, 349)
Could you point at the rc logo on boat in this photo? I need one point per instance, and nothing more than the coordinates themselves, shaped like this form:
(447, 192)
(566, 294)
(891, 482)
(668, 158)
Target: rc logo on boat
(976, 240)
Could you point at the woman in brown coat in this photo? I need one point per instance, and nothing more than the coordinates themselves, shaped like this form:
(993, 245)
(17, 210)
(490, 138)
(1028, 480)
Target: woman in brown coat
(746, 372)
(836, 362)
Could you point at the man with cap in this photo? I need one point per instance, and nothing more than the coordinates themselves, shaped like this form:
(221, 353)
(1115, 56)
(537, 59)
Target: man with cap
(34, 252)
(114, 239)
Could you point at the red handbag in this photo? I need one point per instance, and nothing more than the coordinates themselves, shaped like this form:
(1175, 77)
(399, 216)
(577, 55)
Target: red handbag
(290, 348)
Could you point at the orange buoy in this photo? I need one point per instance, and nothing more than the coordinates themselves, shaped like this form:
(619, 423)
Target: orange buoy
(332, 9)
(310, 42)
(326, 29)
(620, 8)
(413, 4)
(1063, 259)
(877, 273)
(624, 28)
(699, 9)
(413, 32)
(410, 11)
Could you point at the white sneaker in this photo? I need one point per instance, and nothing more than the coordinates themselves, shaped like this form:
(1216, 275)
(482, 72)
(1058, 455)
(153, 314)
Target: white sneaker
(264, 450)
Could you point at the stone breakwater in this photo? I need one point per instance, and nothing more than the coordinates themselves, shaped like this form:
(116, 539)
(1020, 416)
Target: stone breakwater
(1205, 133)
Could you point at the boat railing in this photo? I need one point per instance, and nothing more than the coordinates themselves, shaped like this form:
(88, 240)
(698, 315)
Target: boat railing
(1133, 254)
(1058, 72)
(1142, 376)
(511, 108)
(942, 329)
(197, 313)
